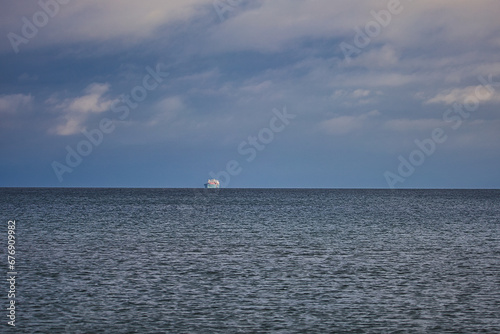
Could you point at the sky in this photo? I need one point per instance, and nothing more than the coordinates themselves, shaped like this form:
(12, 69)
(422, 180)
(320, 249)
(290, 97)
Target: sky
(281, 93)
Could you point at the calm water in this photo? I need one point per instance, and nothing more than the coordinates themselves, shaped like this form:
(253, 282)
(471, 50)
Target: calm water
(253, 261)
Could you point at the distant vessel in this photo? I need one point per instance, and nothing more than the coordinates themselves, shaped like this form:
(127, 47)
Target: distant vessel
(212, 183)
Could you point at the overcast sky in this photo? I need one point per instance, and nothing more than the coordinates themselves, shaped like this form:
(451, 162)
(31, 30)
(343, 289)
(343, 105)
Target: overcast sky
(281, 93)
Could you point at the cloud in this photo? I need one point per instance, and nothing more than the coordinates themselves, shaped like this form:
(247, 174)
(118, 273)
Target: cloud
(25, 77)
(258, 88)
(406, 125)
(15, 111)
(265, 26)
(478, 134)
(76, 110)
(104, 20)
(95, 20)
(346, 124)
(444, 25)
(166, 110)
(360, 93)
(464, 95)
(92, 102)
(13, 103)
(272, 25)
(356, 97)
(228, 75)
(384, 57)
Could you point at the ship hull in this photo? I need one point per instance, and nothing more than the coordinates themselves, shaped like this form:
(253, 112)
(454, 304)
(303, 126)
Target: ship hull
(211, 186)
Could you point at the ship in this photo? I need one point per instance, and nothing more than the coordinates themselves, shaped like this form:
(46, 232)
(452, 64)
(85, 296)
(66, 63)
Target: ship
(212, 183)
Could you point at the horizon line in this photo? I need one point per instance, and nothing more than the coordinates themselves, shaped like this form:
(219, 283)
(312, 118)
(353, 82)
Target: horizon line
(257, 188)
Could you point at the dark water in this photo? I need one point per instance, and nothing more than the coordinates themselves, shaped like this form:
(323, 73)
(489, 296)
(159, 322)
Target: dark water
(253, 261)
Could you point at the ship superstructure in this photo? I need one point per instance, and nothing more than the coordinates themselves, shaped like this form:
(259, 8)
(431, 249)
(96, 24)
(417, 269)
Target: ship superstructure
(212, 183)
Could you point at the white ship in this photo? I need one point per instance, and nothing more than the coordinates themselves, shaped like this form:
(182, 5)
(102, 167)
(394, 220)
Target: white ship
(212, 183)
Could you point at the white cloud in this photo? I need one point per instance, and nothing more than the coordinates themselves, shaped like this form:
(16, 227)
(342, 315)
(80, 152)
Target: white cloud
(166, 110)
(374, 80)
(14, 102)
(95, 20)
(171, 104)
(75, 111)
(360, 93)
(202, 77)
(72, 124)
(429, 23)
(357, 97)
(384, 57)
(258, 87)
(103, 20)
(266, 26)
(92, 102)
(346, 124)
(274, 24)
(406, 125)
(339, 93)
(478, 134)
(464, 95)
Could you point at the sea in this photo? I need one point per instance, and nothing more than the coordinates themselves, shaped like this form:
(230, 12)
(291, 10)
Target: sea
(250, 260)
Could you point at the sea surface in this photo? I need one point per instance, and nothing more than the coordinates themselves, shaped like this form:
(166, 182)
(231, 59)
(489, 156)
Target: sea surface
(253, 261)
